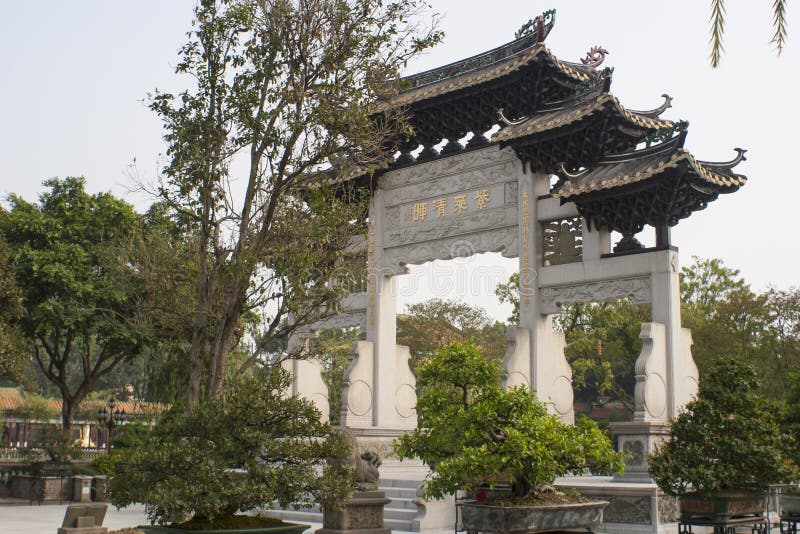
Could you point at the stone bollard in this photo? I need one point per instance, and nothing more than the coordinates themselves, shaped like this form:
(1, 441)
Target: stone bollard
(81, 488)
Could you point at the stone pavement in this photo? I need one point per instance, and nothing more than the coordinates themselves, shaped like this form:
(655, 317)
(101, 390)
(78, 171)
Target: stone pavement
(46, 518)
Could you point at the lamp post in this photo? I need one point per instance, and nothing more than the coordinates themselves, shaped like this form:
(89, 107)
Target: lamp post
(110, 418)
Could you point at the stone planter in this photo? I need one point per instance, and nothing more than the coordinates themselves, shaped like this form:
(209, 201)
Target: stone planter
(505, 519)
(722, 507)
(789, 505)
(288, 528)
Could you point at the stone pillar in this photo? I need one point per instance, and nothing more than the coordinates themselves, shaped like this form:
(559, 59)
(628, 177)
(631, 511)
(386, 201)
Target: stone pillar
(537, 356)
(306, 374)
(666, 375)
(682, 375)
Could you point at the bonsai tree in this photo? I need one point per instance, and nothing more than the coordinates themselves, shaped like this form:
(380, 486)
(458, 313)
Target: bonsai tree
(473, 432)
(250, 447)
(727, 438)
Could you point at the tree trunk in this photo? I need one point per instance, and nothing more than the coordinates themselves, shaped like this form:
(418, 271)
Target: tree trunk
(67, 412)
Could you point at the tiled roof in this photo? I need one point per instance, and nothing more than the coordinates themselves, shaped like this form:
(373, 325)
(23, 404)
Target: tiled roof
(549, 120)
(609, 175)
(491, 72)
(11, 400)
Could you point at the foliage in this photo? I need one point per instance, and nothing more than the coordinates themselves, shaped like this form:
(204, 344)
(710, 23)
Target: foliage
(79, 306)
(724, 314)
(602, 343)
(727, 437)
(36, 408)
(509, 293)
(57, 444)
(727, 317)
(127, 438)
(332, 348)
(718, 19)
(251, 446)
(472, 432)
(283, 98)
(436, 322)
(14, 354)
(791, 421)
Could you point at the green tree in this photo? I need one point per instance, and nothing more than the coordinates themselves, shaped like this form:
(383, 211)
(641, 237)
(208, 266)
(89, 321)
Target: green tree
(333, 349)
(471, 431)
(602, 347)
(14, 353)
(429, 325)
(79, 315)
(283, 104)
(727, 317)
(718, 19)
(252, 446)
(602, 343)
(727, 437)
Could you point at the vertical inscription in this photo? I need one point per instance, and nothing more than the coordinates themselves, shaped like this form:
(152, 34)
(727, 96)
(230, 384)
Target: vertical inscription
(525, 263)
(372, 271)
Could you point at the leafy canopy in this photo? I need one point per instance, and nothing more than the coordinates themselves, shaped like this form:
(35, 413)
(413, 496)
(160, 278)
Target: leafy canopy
(252, 446)
(283, 100)
(727, 437)
(77, 292)
(473, 432)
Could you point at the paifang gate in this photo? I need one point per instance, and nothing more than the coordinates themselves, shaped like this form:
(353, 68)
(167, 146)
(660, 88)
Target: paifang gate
(567, 164)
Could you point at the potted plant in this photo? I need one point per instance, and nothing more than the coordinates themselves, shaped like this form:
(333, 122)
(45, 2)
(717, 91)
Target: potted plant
(722, 448)
(253, 446)
(474, 434)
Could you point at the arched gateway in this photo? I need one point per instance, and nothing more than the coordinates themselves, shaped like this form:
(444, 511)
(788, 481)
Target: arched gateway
(568, 165)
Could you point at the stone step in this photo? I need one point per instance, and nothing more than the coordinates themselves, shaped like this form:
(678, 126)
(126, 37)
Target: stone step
(399, 493)
(408, 483)
(402, 502)
(403, 514)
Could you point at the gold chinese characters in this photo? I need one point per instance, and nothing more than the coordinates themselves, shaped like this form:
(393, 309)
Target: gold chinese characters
(418, 211)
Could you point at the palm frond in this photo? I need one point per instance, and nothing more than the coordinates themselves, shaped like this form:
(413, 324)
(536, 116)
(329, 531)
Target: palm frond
(779, 25)
(718, 30)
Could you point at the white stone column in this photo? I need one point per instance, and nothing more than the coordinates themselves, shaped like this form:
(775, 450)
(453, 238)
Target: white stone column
(537, 350)
(682, 375)
(381, 323)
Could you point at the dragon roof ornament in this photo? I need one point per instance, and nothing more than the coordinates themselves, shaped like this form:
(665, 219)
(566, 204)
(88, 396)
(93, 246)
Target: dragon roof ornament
(595, 56)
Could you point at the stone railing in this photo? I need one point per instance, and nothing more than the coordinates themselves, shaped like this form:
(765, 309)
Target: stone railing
(16, 455)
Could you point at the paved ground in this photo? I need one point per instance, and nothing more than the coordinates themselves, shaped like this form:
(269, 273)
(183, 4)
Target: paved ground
(46, 518)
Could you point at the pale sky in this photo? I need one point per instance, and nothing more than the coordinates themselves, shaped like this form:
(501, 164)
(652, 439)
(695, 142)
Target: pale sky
(75, 74)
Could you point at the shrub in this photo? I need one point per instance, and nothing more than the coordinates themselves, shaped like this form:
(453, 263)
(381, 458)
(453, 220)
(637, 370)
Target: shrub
(473, 432)
(127, 437)
(250, 447)
(726, 438)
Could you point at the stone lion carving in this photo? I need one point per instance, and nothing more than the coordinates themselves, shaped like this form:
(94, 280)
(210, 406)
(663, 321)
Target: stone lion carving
(365, 464)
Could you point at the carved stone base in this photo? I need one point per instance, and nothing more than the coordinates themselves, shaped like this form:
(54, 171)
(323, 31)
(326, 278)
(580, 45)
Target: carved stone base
(634, 508)
(637, 441)
(362, 514)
